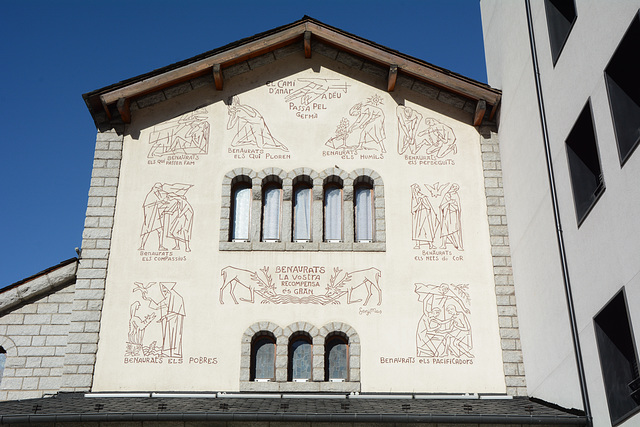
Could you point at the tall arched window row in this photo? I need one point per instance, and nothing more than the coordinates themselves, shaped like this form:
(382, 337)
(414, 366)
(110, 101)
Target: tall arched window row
(263, 358)
(271, 212)
(302, 209)
(240, 211)
(333, 202)
(300, 357)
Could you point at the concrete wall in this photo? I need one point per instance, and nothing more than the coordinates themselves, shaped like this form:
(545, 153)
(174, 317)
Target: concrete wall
(602, 252)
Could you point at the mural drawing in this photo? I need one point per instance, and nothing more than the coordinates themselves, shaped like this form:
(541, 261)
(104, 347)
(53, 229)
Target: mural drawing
(367, 130)
(316, 88)
(444, 329)
(354, 287)
(156, 316)
(436, 216)
(167, 212)
(188, 134)
(414, 134)
(249, 127)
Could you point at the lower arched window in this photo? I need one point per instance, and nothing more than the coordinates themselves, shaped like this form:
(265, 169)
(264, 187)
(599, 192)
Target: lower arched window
(336, 358)
(300, 357)
(263, 358)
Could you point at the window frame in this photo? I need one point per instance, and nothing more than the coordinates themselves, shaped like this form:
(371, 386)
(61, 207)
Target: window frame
(236, 187)
(298, 187)
(265, 188)
(608, 79)
(553, 45)
(610, 381)
(600, 188)
(356, 219)
(299, 336)
(328, 187)
(327, 354)
(261, 336)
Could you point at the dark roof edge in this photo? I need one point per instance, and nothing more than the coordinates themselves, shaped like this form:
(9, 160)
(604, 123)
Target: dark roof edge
(292, 417)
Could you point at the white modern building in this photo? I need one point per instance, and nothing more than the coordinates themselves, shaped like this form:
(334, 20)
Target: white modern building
(569, 124)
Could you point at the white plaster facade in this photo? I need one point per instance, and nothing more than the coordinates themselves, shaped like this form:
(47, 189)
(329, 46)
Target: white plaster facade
(602, 252)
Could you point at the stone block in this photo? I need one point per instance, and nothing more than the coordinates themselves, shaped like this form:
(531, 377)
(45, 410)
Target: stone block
(451, 99)
(151, 99)
(177, 90)
(425, 89)
(261, 60)
(350, 60)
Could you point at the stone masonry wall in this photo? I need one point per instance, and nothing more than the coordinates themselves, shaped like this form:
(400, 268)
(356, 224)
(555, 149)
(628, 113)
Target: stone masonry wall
(85, 315)
(34, 336)
(502, 271)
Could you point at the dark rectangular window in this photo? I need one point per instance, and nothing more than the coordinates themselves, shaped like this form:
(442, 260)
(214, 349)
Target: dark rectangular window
(618, 359)
(561, 14)
(621, 76)
(584, 164)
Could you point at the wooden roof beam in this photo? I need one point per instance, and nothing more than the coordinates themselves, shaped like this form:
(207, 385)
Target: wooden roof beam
(217, 76)
(481, 109)
(307, 44)
(124, 109)
(393, 76)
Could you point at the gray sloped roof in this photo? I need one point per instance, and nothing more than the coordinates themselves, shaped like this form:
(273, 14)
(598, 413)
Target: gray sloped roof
(80, 407)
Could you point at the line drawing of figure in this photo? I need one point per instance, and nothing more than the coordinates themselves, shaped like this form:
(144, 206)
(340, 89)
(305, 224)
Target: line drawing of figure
(423, 219)
(250, 127)
(137, 325)
(439, 137)
(168, 213)
(443, 328)
(172, 314)
(458, 333)
(451, 228)
(315, 88)
(369, 118)
(408, 123)
(188, 134)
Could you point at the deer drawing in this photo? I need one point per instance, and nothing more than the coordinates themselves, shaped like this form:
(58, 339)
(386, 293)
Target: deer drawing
(369, 278)
(232, 276)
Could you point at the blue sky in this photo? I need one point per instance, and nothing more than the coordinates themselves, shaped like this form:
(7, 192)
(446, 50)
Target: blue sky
(54, 51)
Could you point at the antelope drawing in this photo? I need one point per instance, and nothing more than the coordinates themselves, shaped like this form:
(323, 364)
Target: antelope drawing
(232, 276)
(369, 278)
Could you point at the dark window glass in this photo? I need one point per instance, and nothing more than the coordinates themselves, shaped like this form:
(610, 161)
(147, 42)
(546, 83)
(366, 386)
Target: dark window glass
(621, 76)
(618, 359)
(300, 354)
(263, 358)
(561, 14)
(336, 353)
(584, 164)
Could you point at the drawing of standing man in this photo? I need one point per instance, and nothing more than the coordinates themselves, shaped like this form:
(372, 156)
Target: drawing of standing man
(172, 315)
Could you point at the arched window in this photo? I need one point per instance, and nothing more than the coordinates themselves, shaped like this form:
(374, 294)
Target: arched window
(302, 212)
(271, 212)
(333, 213)
(240, 211)
(300, 357)
(336, 358)
(364, 212)
(263, 357)
(3, 360)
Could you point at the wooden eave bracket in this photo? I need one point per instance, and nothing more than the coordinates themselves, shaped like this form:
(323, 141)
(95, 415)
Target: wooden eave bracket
(124, 109)
(307, 44)
(217, 76)
(393, 76)
(481, 109)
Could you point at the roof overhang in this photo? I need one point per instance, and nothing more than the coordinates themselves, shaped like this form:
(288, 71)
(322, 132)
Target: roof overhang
(111, 104)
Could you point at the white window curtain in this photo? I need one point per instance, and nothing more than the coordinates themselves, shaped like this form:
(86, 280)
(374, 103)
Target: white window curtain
(302, 213)
(241, 212)
(271, 208)
(364, 213)
(333, 213)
